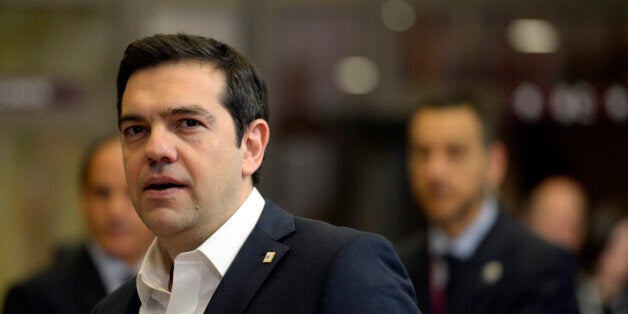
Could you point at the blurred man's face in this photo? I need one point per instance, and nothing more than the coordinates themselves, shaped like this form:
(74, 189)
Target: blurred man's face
(557, 212)
(111, 218)
(447, 163)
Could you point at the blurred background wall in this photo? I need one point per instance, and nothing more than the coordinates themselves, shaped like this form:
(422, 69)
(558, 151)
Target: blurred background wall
(342, 77)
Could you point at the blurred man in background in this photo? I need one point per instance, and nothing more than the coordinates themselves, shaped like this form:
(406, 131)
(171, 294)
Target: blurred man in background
(603, 287)
(81, 276)
(557, 211)
(472, 256)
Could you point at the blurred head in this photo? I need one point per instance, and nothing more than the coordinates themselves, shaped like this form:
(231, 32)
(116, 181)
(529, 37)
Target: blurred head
(244, 95)
(454, 159)
(557, 211)
(111, 218)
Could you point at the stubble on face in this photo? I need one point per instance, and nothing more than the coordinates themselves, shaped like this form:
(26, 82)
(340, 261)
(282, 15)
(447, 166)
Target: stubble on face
(447, 164)
(181, 159)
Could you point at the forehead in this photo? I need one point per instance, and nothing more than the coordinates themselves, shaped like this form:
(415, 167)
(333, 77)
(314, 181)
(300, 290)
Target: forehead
(559, 190)
(446, 124)
(106, 158)
(176, 82)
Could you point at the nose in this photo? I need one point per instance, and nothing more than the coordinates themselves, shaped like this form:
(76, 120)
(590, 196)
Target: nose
(160, 147)
(436, 166)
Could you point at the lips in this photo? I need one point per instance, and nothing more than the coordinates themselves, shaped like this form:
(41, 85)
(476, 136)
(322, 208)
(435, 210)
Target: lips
(162, 183)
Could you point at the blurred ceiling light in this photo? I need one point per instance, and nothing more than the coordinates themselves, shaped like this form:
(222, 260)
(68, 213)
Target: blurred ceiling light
(616, 103)
(533, 36)
(356, 75)
(527, 100)
(397, 15)
(26, 93)
(575, 104)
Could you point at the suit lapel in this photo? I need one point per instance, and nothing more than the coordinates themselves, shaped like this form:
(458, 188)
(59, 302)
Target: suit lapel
(485, 271)
(89, 285)
(249, 268)
(420, 271)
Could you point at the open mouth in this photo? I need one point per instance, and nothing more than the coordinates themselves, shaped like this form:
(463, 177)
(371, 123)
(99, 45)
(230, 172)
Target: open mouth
(163, 186)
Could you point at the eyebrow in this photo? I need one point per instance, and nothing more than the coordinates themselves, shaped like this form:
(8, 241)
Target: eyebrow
(193, 110)
(128, 117)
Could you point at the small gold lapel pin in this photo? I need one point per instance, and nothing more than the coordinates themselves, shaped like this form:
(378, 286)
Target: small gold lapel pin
(492, 272)
(269, 257)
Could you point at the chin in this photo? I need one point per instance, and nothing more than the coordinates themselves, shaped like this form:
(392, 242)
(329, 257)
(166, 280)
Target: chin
(164, 225)
(439, 211)
(115, 249)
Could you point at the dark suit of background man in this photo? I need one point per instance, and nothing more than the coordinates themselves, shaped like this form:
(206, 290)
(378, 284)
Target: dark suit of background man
(473, 257)
(194, 120)
(81, 276)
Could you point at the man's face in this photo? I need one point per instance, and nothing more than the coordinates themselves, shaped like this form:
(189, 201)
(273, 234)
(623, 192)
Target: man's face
(558, 212)
(183, 166)
(447, 162)
(111, 218)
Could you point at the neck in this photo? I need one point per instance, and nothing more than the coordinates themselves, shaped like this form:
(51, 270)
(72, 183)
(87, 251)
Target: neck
(455, 226)
(132, 261)
(186, 241)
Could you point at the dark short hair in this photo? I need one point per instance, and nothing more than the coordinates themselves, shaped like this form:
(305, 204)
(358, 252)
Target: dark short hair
(484, 107)
(245, 95)
(89, 155)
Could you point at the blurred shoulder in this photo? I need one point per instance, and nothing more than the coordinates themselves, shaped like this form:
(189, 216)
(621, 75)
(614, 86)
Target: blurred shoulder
(531, 250)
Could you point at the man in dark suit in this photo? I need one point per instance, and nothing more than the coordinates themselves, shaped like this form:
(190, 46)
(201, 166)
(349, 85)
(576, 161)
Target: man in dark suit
(193, 115)
(472, 257)
(83, 275)
(71, 285)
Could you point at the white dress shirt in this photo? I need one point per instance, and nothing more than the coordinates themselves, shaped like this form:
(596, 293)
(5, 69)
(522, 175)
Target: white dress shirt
(462, 247)
(196, 274)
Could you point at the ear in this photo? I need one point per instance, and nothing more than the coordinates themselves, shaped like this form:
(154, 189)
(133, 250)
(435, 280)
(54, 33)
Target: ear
(497, 164)
(253, 146)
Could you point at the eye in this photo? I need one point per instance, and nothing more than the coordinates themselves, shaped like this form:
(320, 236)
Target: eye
(134, 130)
(419, 152)
(456, 152)
(101, 192)
(190, 123)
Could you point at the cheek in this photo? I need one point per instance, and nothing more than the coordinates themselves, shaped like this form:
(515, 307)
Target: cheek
(416, 171)
(473, 173)
(97, 216)
(132, 171)
(131, 160)
(130, 166)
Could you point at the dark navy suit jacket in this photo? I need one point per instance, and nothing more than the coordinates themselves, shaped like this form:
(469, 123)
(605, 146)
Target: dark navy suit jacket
(317, 268)
(71, 286)
(511, 271)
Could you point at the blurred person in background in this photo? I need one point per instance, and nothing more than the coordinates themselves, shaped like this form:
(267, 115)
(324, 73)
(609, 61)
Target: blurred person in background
(473, 257)
(193, 113)
(603, 288)
(118, 239)
(557, 212)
